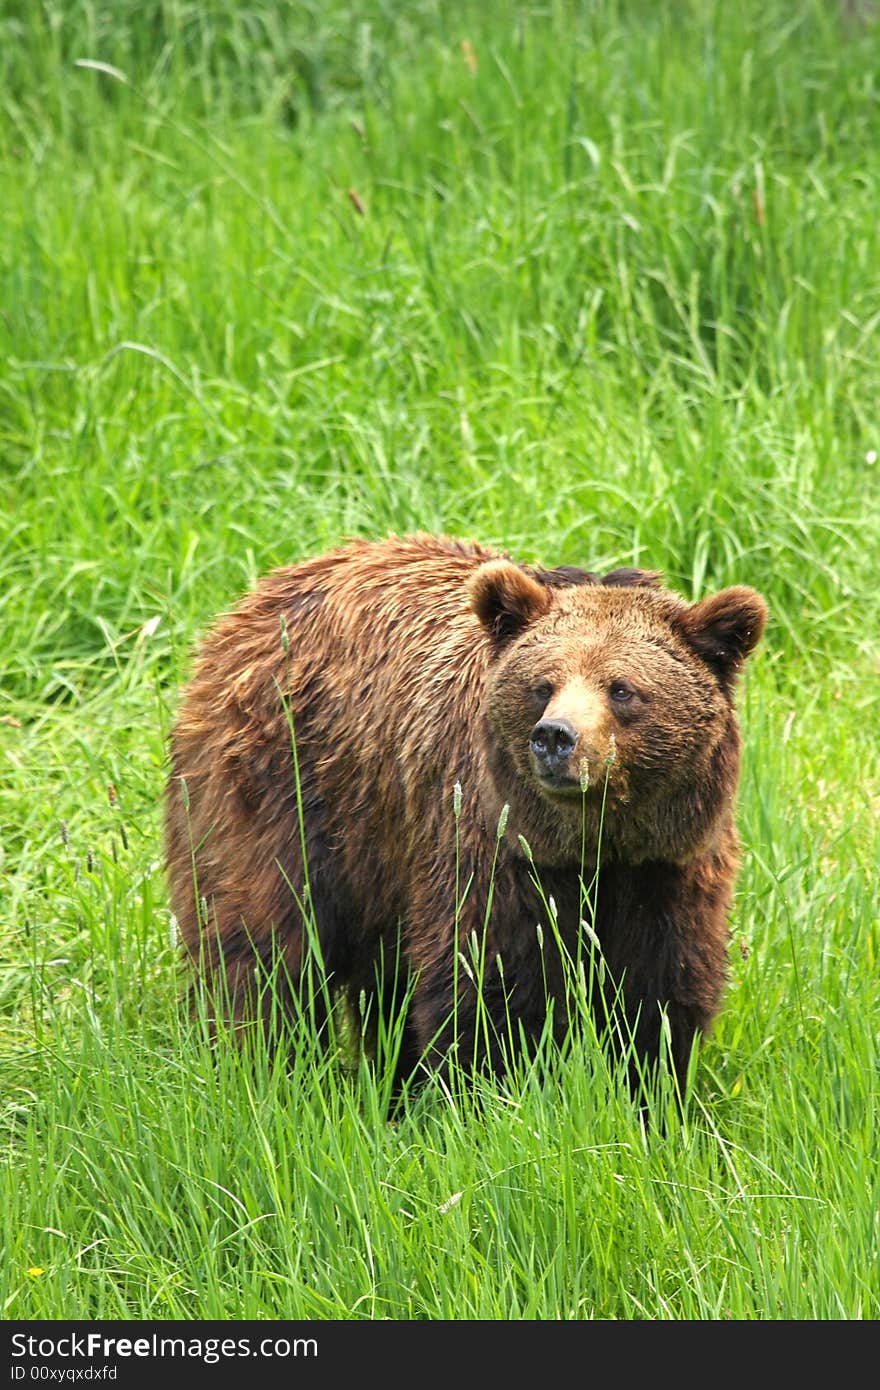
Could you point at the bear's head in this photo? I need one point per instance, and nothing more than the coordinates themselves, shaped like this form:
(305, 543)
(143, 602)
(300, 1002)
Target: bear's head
(609, 709)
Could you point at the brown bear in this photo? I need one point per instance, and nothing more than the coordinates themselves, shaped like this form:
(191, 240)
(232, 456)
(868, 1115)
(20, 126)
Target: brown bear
(464, 775)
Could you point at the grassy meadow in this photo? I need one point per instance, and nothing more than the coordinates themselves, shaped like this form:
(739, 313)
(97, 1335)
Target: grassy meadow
(599, 283)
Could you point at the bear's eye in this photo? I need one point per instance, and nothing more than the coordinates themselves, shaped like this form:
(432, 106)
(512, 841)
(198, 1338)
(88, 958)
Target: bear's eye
(541, 692)
(621, 692)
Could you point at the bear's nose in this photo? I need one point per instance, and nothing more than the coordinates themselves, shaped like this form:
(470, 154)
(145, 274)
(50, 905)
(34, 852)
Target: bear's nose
(553, 740)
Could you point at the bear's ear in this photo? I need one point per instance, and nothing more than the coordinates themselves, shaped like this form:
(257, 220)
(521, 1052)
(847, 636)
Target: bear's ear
(724, 629)
(506, 599)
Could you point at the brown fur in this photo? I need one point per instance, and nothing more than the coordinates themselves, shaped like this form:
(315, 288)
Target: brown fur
(413, 664)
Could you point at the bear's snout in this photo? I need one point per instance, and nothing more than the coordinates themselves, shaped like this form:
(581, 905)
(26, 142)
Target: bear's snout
(552, 743)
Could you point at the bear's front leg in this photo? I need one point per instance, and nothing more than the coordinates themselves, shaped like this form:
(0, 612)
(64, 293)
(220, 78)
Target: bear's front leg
(487, 974)
(663, 937)
(461, 1015)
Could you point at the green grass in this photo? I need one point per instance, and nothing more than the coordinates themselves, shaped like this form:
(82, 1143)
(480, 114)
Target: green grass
(603, 288)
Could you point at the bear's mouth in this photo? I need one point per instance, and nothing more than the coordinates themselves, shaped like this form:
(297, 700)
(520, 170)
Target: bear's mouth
(559, 787)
